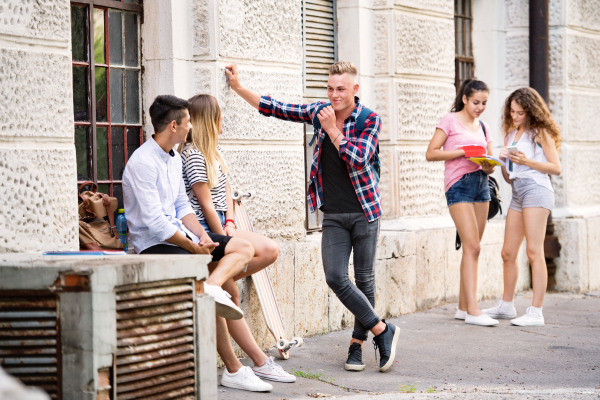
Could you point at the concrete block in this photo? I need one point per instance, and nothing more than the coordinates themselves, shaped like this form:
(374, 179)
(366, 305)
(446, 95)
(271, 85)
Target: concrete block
(381, 42)
(572, 273)
(442, 6)
(383, 106)
(579, 158)
(396, 244)
(420, 107)
(38, 204)
(490, 272)
(494, 231)
(387, 181)
(420, 184)
(28, 80)
(583, 58)
(424, 45)
(557, 58)
(517, 60)
(262, 30)
(583, 104)
(558, 108)
(431, 268)
(46, 19)
(593, 232)
(206, 348)
(396, 281)
(311, 293)
(584, 14)
(277, 210)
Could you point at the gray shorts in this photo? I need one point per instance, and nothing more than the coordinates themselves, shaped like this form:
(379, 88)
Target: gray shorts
(527, 193)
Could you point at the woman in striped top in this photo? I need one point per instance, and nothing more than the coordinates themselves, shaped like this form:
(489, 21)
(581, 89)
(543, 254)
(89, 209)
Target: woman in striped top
(205, 177)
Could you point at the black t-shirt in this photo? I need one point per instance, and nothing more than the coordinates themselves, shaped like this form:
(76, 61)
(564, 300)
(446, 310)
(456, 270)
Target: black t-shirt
(339, 195)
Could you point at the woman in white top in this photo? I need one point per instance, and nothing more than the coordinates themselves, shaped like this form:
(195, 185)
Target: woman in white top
(531, 140)
(205, 178)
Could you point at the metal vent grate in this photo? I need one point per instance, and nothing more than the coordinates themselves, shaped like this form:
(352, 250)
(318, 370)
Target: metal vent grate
(155, 339)
(29, 340)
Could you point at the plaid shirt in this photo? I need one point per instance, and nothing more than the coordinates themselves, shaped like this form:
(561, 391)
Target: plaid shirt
(356, 150)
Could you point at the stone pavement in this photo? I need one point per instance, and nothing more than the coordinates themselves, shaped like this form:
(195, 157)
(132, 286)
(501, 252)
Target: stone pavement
(459, 361)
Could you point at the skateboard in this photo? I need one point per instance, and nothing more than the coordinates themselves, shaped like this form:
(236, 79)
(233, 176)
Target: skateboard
(263, 286)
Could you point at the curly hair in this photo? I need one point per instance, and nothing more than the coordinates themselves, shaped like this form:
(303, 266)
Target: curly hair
(538, 118)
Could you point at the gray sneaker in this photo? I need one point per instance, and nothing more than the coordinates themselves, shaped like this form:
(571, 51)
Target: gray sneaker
(386, 343)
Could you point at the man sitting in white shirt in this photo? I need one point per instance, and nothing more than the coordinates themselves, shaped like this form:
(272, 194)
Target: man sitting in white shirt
(159, 215)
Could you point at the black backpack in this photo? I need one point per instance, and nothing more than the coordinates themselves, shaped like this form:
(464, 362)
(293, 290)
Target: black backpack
(495, 206)
(360, 125)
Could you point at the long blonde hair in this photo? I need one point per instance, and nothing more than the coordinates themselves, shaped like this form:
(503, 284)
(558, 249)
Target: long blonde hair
(205, 115)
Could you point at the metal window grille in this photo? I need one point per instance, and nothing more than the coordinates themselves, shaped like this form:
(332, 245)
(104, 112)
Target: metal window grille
(463, 24)
(106, 89)
(155, 357)
(30, 339)
(319, 44)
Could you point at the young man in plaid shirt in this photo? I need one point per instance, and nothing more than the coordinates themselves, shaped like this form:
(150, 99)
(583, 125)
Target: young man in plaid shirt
(344, 186)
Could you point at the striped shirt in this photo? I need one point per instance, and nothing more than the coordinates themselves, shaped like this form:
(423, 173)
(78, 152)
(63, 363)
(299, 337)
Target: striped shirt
(194, 171)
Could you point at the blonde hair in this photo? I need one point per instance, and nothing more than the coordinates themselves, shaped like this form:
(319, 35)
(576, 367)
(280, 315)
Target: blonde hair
(343, 67)
(205, 115)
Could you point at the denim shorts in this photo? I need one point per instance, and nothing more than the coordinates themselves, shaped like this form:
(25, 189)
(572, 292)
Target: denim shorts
(204, 224)
(470, 188)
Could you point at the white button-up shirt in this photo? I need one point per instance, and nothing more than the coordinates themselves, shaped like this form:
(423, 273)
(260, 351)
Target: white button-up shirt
(154, 196)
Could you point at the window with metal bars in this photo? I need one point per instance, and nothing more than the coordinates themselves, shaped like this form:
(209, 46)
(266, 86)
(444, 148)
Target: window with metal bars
(319, 44)
(463, 24)
(105, 36)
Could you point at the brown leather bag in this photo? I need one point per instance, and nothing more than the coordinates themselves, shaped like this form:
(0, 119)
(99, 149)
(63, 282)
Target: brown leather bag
(97, 230)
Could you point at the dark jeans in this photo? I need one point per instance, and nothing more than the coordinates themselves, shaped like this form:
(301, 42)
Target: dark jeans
(343, 233)
(217, 253)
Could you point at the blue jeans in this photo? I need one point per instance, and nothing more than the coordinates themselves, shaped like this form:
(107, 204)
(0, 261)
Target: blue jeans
(342, 233)
(204, 224)
(471, 188)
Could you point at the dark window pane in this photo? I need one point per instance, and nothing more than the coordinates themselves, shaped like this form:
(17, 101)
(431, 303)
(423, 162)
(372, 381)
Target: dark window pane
(467, 8)
(468, 38)
(133, 139)
(132, 46)
(117, 144)
(117, 113)
(80, 93)
(78, 33)
(459, 35)
(104, 189)
(102, 153)
(132, 83)
(83, 152)
(115, 37)
(100, 94)
(99, 50)
(132, 1)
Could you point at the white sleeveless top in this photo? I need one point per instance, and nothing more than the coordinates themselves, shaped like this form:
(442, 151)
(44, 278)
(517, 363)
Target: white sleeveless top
(532, 151)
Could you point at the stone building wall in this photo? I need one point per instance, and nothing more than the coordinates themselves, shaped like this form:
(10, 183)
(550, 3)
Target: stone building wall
(38, 206)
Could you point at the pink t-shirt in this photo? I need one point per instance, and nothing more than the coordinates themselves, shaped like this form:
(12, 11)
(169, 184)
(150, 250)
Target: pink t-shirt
(458, 135)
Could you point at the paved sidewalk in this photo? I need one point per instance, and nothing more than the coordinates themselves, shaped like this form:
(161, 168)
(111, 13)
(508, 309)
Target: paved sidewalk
(459, 361)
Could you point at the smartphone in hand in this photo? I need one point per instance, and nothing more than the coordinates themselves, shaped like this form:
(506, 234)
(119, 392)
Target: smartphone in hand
(513, 149)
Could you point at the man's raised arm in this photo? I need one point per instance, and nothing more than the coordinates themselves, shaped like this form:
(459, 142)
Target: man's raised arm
(268, 106)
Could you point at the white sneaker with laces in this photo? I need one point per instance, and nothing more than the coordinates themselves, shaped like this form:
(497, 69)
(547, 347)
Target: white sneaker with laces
(246, 380)
(481, 320)
(224, 307)
(503, 310)
(273, 372)
(460, 314)
(533, 317)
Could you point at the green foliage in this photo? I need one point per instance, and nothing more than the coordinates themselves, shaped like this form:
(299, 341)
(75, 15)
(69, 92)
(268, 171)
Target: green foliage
(308, 374)
(407, 388)
(431, 389)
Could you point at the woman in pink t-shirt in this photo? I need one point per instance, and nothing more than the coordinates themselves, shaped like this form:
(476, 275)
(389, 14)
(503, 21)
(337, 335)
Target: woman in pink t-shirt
(466, 186)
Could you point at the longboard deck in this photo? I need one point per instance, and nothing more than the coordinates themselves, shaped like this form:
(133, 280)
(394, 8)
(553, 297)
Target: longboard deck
(263, 285)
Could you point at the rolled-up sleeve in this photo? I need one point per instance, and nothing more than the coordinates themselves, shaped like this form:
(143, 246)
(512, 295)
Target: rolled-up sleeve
(270, 107)
(143, 187)
(358, 155)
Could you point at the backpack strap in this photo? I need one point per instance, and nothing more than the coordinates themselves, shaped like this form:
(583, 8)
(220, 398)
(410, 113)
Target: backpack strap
(484, 132)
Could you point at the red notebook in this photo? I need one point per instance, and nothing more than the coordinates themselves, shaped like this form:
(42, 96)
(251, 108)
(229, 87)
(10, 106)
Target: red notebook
(474, 150)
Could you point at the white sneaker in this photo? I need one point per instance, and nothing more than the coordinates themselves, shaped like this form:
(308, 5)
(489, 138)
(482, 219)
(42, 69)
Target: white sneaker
(224, 307)
(273, 372)
(246, 380)
(460, 314)
(481, 320)
(503, 310)
(533, 317)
